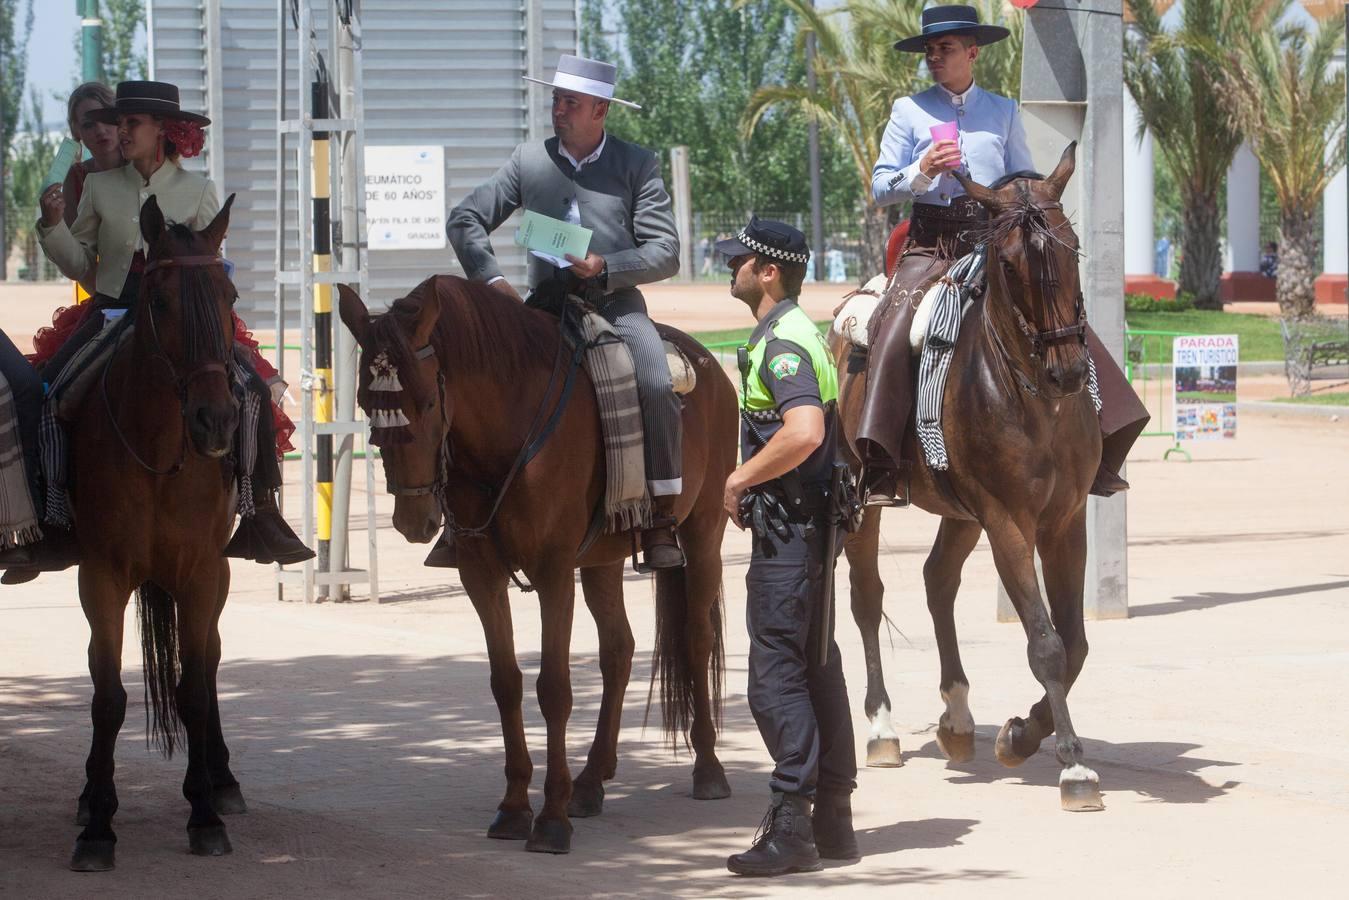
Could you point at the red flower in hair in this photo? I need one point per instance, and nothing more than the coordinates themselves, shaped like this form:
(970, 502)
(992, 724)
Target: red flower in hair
(186, 136)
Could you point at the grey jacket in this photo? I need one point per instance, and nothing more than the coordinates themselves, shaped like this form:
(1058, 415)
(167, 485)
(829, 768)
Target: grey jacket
(621, 197)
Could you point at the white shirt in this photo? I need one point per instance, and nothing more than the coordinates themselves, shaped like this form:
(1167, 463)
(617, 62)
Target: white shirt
(574, 209)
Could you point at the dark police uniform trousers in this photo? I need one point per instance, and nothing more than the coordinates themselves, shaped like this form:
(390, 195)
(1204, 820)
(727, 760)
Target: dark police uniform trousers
(801, 709)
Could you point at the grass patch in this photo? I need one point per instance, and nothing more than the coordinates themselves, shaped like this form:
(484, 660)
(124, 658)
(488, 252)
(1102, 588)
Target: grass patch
(1206, 397)
(1330, 398)
(740, 335)
(1258, 337)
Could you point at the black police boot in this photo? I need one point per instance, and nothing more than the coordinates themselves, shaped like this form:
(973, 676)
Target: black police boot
(443, 555)
(832, 822)
(660, 545)
(785, 843)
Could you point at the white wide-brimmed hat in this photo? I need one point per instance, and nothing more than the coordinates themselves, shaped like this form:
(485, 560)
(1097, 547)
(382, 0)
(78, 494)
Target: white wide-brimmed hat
(585, 76)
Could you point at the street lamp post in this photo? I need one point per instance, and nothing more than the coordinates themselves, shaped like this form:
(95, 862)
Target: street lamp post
(91, 39)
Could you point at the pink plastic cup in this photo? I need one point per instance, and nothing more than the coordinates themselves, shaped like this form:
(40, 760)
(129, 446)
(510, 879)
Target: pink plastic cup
(946, 131)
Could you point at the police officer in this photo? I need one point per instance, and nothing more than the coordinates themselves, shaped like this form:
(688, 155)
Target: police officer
(789, 429)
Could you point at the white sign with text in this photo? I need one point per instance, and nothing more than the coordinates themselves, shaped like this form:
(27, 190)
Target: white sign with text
(405, 197)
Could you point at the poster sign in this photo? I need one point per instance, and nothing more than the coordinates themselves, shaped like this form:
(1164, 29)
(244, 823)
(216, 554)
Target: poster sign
(1204, 382)
(405, 197)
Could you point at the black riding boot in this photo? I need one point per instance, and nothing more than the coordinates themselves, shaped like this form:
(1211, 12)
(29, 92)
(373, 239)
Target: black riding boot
(660, 542)
(443, 555)
(883, 485)
(832, 822)
(1107, 482)
(265, 537)
(54, 551)
(786, 841)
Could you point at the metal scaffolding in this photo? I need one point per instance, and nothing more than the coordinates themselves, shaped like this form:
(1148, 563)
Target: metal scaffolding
(327, 152)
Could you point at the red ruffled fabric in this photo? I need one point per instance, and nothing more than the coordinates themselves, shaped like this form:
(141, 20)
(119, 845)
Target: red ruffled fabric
(69, 318)
(64, 323)
(282, 423)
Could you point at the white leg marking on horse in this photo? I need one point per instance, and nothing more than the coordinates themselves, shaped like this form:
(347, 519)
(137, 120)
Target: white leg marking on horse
(957, 701)
(1078, 772)
(880, 724)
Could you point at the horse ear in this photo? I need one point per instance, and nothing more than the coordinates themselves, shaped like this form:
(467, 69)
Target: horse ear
(353, 312)
(1058, 179)
(978, 191)
(215, 232)
(152, 221)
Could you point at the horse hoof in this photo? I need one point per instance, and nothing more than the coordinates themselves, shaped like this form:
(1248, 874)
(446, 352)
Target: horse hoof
(82, 812)
(550, 836)
(1004, 748)
(228, 801)
(511, 825)
(883, 753)
(209, 840)
(587, 799)
(1080, 789)
(958, 748)
(93, 856)
(711, 785)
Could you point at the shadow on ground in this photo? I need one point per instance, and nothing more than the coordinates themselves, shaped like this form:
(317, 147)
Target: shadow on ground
(365, 768)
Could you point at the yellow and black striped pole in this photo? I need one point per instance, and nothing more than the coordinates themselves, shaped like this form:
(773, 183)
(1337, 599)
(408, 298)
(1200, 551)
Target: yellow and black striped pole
(323, 334)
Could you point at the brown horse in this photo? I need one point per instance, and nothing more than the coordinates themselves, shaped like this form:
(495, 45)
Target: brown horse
(152, 490)
(477, 372)
(1024, 443)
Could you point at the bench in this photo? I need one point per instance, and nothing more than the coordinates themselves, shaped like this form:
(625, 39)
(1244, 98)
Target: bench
(1315, 348)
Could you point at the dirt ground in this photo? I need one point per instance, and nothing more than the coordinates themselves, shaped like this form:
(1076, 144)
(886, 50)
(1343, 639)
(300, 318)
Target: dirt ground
(368, 745)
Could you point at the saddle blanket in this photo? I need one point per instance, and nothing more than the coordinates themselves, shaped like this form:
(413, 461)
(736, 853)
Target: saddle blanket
(18, 520)
(627, 505)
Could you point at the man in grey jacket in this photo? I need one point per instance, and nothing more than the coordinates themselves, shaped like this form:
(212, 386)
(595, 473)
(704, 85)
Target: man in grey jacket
(588, 177)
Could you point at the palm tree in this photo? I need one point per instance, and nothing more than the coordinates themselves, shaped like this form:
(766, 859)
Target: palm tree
(859, 75)
(1175, 83)
(1285, 94)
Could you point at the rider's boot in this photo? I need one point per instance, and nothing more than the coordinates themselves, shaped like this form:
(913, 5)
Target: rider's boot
(1107, 482)
(443, 555)
(57, 549)
(883, 485)
(660, 543)
(265, 537)
(832, 822)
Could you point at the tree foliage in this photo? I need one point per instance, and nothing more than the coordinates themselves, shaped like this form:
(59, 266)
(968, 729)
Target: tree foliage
(1175, 84)
(16, 24)
(122, 22)
(693, 65)
(30, 159)
(1284, 91)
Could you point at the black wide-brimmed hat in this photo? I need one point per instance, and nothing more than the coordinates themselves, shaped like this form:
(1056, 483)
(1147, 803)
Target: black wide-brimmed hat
(155, 98)
(776, 240)
(940, 21)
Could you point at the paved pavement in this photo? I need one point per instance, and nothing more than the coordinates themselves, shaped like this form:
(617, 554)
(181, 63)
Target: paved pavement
(367, 741)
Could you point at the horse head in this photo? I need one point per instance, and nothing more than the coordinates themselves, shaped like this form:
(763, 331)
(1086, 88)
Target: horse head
(1033, 264)
(185, 322)
(402, 391)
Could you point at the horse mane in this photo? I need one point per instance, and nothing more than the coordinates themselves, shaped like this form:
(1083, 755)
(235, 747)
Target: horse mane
(478, 328)
(1023, 213)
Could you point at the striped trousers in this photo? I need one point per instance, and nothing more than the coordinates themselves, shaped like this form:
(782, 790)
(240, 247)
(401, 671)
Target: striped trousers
(661, 408)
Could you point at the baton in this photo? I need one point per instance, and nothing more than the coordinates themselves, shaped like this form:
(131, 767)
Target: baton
(824, 607)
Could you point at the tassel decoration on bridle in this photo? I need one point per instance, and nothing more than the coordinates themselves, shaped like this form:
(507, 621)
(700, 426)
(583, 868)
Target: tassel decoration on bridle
(388, 422)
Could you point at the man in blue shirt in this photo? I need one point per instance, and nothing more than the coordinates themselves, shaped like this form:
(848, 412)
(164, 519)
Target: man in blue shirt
(988, 142)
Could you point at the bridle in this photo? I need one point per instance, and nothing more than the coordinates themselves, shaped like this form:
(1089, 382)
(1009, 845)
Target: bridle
(180, 383)
(1046, 264)
(540, 429)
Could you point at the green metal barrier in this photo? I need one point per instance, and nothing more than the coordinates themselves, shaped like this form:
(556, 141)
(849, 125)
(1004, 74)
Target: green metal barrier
(1146, 356)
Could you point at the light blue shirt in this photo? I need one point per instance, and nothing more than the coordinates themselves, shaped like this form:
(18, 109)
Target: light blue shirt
(992, 144)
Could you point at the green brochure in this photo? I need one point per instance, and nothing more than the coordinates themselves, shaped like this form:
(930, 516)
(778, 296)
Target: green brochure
(552, 239)
(66, 154)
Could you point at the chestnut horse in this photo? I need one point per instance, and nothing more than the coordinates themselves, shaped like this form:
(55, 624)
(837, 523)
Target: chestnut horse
(1023, 441)
(477, 371)
(153, 494)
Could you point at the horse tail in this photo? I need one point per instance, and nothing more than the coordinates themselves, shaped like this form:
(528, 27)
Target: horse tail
(159, 649)
(670, 665)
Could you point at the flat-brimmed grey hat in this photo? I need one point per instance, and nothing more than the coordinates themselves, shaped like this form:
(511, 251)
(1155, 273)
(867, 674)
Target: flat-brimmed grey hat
(585, 76)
